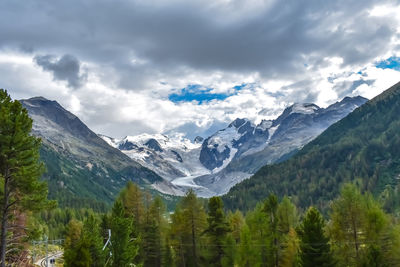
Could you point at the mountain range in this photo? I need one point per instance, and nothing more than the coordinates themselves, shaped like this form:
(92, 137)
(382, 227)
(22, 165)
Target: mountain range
(211, 166)
(362, 148)
(79, 163)
(83, 164)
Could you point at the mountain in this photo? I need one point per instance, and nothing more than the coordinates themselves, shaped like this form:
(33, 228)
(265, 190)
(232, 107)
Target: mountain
(363, 147)
(213, 165)
(79, 163)
(169, 157)
(238, 151)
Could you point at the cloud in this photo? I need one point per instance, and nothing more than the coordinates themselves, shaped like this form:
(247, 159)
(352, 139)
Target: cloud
(136, 56)
(67, 68)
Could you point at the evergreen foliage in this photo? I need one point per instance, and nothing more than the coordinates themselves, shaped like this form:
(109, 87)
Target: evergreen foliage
(217, 230)
(188, 224)
(266, 236)
(20, 170)
(123, 247)
(314, 244)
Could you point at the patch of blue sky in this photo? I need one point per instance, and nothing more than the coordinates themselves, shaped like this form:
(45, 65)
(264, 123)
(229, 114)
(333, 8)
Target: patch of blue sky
(201, 94)
(390, 63)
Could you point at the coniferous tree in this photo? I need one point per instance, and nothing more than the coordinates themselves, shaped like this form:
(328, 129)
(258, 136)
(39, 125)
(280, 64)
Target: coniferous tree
(259, 235)
(218, 229)
(132, 198)
(247, 257)
(188, 223)
(168, 256)
(290, 257)
(123, 247)
(236, 222)
(91, 233)
(271, 208)
(20, 168)
(314, 245)
(76, 248)
(153, 233)
(347, 224)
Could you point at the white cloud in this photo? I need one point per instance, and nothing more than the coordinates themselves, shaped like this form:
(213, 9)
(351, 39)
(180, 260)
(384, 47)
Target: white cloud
(299, 52)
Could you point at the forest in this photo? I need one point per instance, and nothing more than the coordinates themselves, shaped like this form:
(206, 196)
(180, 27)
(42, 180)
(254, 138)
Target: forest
(199, 232)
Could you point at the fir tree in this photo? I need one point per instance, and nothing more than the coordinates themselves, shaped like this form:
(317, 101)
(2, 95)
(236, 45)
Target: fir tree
(271, 208)
(188, 223)
(123, 248)
(314, 245)
(91, 233)
(217, 230)
(153, 231)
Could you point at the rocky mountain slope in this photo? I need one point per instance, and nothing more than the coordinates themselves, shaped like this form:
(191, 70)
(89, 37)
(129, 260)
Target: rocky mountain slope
(79, 163)
(268, 142)
(212, 166)
(362, 147)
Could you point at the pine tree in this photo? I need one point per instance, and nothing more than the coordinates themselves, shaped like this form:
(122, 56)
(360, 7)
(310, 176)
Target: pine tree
(168, 256)
(247, 257)
(271, 208)
(286, 216)
(290, 257)
(91, 233)
(236, 222)
(20, 168)
(132, 198)
(314, 245)
(153, 233)
(257, 221)
(348, 221)
(76, 247)
(123, 248)
(218, 229)
(188, 223)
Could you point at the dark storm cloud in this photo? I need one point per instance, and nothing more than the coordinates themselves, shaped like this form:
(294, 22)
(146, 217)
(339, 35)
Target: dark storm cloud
(153, 41)
(67, 68)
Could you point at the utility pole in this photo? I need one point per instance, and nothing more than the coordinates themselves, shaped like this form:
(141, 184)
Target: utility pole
(108, 240)
(106, 244)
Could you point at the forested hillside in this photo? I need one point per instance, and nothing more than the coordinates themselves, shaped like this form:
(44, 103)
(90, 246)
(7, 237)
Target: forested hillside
(199, 233)
(362, 147)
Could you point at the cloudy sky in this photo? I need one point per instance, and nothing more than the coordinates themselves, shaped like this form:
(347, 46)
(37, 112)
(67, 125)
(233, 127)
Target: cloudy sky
(127, 67)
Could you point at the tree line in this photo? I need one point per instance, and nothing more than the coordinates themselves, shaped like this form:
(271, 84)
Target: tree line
(357, 232)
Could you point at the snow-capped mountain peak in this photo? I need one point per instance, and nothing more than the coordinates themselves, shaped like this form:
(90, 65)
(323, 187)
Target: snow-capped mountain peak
(171, 157)
(212, 165)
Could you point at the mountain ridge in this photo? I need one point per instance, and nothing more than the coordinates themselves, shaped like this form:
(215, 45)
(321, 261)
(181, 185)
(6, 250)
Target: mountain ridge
(235, 152)
(79, 163)
(362, 148)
